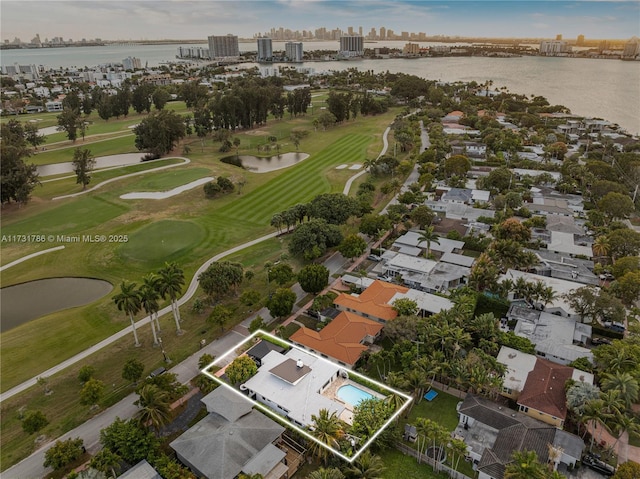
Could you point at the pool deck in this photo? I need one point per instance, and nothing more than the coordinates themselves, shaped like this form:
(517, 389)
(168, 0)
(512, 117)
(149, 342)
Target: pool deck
(332, 393)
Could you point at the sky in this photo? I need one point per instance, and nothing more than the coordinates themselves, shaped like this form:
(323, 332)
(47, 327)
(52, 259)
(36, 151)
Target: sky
(188, 19)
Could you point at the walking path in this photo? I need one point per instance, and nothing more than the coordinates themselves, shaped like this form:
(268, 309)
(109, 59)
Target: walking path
(29, 256)
(118, 178)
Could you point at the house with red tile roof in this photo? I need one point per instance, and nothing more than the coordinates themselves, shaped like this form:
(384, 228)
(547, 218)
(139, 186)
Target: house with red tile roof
(543, 396)
(344, 339)
(373, 302)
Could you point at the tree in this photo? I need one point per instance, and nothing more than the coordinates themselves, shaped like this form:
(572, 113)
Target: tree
(69, 121)
(141, 98)
(328, 429)
(155, 406)
(514, 230)
(33, 421)
(422, 216)
(159, 132)
(369, 416)
(334, 208)
(601, 246)
(219, 316)
(132, 370)
(106, 461)
(312, 239)
(627, 288)
(281, 273)
(63, 453)
(366, 466)
(281, 302)
(220, 277)
(627, 470)
(625, 383)
(456, 165)
(149, 296)
(241, 369)
(32, 135)
(129, 441)
(326, 473)
(128, 300)
(160, 97)
(625, 265)
(374, 225)
(170, 284)
(405, 307)
(428, 235)
(352, 246)
(313, 278)
(86, 372)
(92, 392)
(17, 178)
(579, 394)
(525, 465)
(616, 206)
(624, 242)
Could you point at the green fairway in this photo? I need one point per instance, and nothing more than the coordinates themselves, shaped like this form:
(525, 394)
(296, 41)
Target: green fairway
(98, 147)
(167, 240)
(166, 180)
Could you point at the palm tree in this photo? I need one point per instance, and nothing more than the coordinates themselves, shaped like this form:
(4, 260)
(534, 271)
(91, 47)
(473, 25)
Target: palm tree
(366, 466)
(458, 450)
(329, 473)
(525, 465)
(601, 246)
(595, 413)
(171, 283)
(149, 300)
(328, 429)
(625, 383)
(416, 381)
(429, 236)
(106, 461)
(156, 408)
(128, 300)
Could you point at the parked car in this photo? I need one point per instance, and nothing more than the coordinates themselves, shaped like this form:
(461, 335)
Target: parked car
(599, 341)
(593, 462)
(617, 327)
(374, 257)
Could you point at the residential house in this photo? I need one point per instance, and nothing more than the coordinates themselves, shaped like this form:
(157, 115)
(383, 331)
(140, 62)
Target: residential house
(493, 433)
(344, 339)
(292, 385)
(52, 106)
(563, 266)
(556, 338)
(261, 349)
(465, 196)
(142, 470)
(427, 275)
(232, 439)
(410, 241)
(376, 302)
(472, 149)
(559, 305)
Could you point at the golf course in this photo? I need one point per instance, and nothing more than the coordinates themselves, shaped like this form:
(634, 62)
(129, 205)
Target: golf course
(140, 235)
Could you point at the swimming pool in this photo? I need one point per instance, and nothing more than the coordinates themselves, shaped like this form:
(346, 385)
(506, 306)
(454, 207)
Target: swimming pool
(352, 394)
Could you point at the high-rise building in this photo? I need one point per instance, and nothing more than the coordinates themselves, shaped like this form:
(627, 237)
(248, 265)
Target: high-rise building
(223, 46)
(131, 63)
(580, 40)
(554, 47)
(559, 36)
(383, 33)
(265, 50)
(351, 46)
(632, 48)
(293, 51)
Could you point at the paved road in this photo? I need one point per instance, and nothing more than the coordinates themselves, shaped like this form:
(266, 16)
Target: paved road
(31, 467)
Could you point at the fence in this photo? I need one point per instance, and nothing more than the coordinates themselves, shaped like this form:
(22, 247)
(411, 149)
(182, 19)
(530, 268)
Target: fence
(424, 459)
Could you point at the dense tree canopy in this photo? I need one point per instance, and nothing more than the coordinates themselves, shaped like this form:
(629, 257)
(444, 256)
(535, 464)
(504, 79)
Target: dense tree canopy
(17, 178)
(312, 239)
(241, 369)
(159, 132)
(334, 208)
(220, 277)
(313, 278)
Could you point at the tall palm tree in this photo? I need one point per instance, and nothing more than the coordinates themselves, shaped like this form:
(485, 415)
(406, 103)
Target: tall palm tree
(429, 236)
(171, 283)
(594, 412)
(128, 300)
(601, 246)
(625, 383)
(155, 406)
(328, 429)
(458, 450)
(149, 300)
(366, 466)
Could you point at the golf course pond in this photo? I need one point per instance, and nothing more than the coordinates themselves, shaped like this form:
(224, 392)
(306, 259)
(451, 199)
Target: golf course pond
(265, 164)
(23, 302)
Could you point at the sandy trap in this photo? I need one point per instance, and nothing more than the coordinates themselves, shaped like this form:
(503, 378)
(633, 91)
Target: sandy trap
(161, 195)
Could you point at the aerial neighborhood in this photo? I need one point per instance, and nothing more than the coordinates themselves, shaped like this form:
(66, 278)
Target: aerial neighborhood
(267, 271)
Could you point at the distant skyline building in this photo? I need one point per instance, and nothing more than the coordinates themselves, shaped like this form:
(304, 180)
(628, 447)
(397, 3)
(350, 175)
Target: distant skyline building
(265, 50)
(352, 45)
(131, 63)
(632, 49)
(223, 46)
(580, 40)
(554, 48)
(294, 51)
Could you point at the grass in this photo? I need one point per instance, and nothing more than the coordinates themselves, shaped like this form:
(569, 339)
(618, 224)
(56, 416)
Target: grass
(166, 180)
(441, 410)
(224, 222)
(98, 147)
(398, 465)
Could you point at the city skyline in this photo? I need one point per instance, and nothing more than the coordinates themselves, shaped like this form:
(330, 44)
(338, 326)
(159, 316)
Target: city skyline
(147, 20)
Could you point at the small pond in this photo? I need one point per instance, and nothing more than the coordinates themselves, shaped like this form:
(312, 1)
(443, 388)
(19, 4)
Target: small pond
(268, 163)
(110, 161)
(23, 302)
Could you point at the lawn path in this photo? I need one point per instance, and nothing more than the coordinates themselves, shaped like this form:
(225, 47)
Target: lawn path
(118, 178)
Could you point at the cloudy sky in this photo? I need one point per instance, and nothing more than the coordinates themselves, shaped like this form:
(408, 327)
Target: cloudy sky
(188, 19)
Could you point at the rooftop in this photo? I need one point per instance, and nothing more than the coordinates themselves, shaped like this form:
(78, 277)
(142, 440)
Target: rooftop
(373, 301)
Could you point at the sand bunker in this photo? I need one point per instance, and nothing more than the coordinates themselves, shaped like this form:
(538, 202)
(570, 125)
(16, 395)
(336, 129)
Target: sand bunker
(355, 166)
(161, 195)
(341, 167)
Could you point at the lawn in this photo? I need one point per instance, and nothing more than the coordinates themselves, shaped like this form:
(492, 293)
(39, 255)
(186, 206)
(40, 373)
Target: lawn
(441, 410)
(406, 467)
(220, 224)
